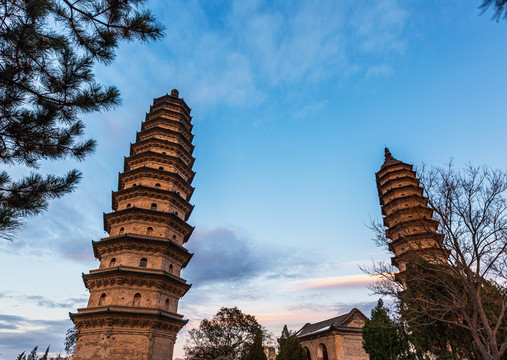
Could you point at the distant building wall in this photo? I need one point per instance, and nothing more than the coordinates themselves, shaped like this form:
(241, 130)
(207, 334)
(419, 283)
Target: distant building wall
(338, 346)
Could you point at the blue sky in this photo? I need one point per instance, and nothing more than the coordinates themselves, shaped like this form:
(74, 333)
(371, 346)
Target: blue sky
(293, 103)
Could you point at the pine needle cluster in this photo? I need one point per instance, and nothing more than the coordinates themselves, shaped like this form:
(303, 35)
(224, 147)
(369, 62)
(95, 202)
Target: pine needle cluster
(47, 52)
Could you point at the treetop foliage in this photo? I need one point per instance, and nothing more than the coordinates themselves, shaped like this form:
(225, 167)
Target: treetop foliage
(289, 347)
(70, 340)
(383, 338)
(47, 52)
(228, 334)
(33, 355)
(256, 350)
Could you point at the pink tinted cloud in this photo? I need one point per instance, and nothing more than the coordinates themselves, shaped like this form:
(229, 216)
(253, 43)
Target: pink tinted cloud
(360, 280)
(294, 319)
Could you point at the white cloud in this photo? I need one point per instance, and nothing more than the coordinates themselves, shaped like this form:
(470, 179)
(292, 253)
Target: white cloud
(238, 55)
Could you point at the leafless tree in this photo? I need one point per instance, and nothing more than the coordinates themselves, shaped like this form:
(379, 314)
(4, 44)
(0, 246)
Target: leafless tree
(461, 285)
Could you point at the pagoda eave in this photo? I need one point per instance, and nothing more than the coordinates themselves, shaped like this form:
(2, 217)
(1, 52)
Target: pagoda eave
(403, 172)
(173, 100)
(156, 193)
(138, 147)
(135, 213)
(129, 320)
(386, 169)
(416, 238)
(413, 198)
(158, 174)
(126, 275)
(149, 133)
(394, 182)
(417, 191)
(424, 213)
(430, 253)
(160, 112)
(145, 156)
(155, 121)
(129, 241)
(429, 224)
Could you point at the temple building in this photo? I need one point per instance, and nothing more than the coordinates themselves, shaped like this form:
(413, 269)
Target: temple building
(132, 311)
(338, 338)
(409, 222)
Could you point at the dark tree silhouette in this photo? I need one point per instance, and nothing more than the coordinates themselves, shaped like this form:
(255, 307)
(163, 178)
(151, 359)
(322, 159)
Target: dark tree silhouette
(499, 7)
(33, 355)
(289, 346)
(47, 52)
(383, 338)
(70, 340)
(256, 351)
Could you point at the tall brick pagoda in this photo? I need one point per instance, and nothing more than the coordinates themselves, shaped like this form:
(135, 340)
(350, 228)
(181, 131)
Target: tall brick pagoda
(407, 217)
(132, 312)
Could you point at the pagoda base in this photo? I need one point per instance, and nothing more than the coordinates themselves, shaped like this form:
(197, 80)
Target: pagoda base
(121, 335)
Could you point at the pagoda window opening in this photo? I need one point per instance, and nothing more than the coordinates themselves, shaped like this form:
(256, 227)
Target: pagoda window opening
(112, 262)
(129, 205)
(167, 303)
(137, 300)
(308, 356)
(322, 352)
(149, 231)
(157, 185)
(174, 237)
(153, 206)
(176, 213)
(134, 184)
(171, 268)
(163, 152)
(102, 299)
(161, 168)
(122, 230)
(143, 262)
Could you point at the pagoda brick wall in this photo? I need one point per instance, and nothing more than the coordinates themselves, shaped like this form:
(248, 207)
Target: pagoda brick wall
(132, 312)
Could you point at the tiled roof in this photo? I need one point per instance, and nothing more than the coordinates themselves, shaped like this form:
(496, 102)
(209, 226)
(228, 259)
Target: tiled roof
(328, 325)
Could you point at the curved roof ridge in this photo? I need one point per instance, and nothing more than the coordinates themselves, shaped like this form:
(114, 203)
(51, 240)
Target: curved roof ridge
(325, 325)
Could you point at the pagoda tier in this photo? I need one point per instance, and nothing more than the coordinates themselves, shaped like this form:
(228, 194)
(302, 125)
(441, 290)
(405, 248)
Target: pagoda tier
(132, 312)
(159, 178)
(162, 146)
(167, 251)
(141, 195)
(150, 222)
(177, 126)
(161, 161)
(118, 334)
(408, 219)
(167, 113)
(165, 134)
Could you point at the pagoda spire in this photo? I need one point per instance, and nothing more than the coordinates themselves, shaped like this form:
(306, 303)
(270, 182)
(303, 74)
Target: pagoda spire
(409, 222)
(132, 311)
(387, 153)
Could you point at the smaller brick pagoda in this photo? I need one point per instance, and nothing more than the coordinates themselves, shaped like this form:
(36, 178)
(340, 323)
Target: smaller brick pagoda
(409, 221)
